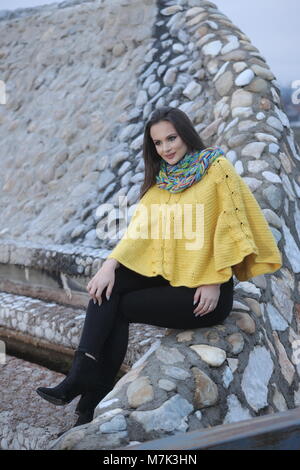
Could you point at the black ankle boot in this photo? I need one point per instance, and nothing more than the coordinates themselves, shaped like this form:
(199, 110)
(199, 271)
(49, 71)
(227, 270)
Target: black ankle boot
(89, 400)
(82, 377)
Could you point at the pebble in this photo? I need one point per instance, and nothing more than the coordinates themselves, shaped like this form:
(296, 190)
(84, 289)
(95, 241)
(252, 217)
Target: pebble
(244, 78)
(210, 354)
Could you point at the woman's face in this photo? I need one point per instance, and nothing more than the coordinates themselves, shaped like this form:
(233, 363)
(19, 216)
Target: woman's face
(168, 143)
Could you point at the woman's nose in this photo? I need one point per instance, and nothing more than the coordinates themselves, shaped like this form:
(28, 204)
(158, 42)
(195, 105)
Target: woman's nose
(166, 147)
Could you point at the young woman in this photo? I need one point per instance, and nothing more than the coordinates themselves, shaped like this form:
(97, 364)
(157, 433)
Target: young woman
(205, 225)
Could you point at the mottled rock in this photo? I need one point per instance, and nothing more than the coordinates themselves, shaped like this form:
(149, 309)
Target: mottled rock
(139, 391)
(170, 417)
(206, 391)
(210, 354)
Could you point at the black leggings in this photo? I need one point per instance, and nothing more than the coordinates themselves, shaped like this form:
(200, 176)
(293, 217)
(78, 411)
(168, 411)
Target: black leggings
(139, 299)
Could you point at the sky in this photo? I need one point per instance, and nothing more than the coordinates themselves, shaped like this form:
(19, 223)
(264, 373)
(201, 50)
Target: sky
(272, 26)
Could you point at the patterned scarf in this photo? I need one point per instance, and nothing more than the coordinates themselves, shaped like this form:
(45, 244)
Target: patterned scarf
(187, 171)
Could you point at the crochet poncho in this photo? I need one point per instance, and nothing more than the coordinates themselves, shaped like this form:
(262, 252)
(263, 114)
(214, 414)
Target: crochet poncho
(224, 233)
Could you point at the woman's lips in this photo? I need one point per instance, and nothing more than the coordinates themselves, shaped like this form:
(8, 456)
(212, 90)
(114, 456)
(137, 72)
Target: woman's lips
(170, 156)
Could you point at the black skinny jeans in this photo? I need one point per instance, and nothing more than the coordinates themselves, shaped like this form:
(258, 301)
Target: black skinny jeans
(139, 299)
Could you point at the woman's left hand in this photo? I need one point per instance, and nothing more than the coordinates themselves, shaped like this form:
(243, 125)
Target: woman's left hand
(208, 297)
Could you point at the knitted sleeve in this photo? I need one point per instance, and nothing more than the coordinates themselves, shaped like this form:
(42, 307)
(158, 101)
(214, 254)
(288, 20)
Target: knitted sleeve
(242, 238)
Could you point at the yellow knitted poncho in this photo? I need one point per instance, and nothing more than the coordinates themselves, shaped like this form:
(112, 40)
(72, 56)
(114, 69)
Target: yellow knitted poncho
(202, 235)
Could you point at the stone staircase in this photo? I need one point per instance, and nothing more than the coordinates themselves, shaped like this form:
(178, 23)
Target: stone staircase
(41, 316)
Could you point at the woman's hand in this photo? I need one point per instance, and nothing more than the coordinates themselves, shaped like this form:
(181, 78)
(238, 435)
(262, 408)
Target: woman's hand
(208, 296)
(105, 277)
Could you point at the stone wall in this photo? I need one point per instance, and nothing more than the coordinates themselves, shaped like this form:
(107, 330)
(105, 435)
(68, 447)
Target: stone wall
(71, 77)
(79, 113)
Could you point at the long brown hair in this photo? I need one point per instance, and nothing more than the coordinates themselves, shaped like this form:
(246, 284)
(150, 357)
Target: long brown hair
(185, 129)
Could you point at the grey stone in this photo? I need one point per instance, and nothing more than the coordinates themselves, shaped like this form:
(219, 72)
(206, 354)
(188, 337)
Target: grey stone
(235, 411)
(224, 83)
(169, 417)
(274, 196)
(169, 355)
(256, 377)
(277, 321)
(167, 385)
(175, 372)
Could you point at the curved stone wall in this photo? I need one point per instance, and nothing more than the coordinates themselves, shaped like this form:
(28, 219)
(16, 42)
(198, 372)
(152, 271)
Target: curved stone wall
(186, 54)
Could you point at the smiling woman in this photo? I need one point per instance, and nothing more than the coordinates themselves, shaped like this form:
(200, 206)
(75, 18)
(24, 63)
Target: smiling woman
(168, 143)
(169, 283)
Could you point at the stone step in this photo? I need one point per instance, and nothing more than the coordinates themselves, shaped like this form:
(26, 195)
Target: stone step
(51, 272)
(45, 334)
(49, 332)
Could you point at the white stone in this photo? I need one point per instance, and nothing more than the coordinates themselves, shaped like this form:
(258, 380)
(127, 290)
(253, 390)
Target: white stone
(231, 155)
(261, 136)
(212, 48)
(256, 377)
(256, 166)
(178, 48)
(235, 411)
(248, 287)
(239, 167)
(270, 176)
(260, 116)
(232, 45)
(141, 98)
(244, 78)
(210, 354)
(273, 148)
(105, 404)
(254, 149)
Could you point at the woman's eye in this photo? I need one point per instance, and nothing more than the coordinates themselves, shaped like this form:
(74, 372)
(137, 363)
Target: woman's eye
(172, 137)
